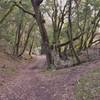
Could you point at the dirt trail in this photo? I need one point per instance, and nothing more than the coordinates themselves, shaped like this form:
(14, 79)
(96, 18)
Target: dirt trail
(32, 84)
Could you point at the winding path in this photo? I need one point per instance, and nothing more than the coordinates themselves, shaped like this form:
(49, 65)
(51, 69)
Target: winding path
(32, 84)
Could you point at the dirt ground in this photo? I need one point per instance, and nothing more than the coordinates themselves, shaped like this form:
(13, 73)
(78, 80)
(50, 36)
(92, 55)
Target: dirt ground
(30, 82)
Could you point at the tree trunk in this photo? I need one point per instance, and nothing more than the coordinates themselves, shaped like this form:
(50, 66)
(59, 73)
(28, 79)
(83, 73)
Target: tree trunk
(26, 42)
(31, 46)
(70, 36)
(45, 40)
(17, 40)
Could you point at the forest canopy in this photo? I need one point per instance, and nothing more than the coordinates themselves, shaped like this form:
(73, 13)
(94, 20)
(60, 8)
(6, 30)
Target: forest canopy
(55, 28)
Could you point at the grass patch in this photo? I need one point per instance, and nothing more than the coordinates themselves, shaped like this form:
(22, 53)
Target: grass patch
(8, 71)
(88, 87)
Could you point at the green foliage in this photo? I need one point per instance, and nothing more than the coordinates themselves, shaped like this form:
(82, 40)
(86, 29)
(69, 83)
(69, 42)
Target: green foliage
(82, 16)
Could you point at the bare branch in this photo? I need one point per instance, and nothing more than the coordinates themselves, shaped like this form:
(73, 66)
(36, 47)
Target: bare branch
(8, 12)
(20, 7)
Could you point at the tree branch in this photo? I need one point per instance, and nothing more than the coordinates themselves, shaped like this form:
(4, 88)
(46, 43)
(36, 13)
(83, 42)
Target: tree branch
(8, 12)
(20, 7)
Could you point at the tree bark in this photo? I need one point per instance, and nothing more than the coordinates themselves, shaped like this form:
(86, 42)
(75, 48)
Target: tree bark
(26, 42)
(45, 40)
(70, 36)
